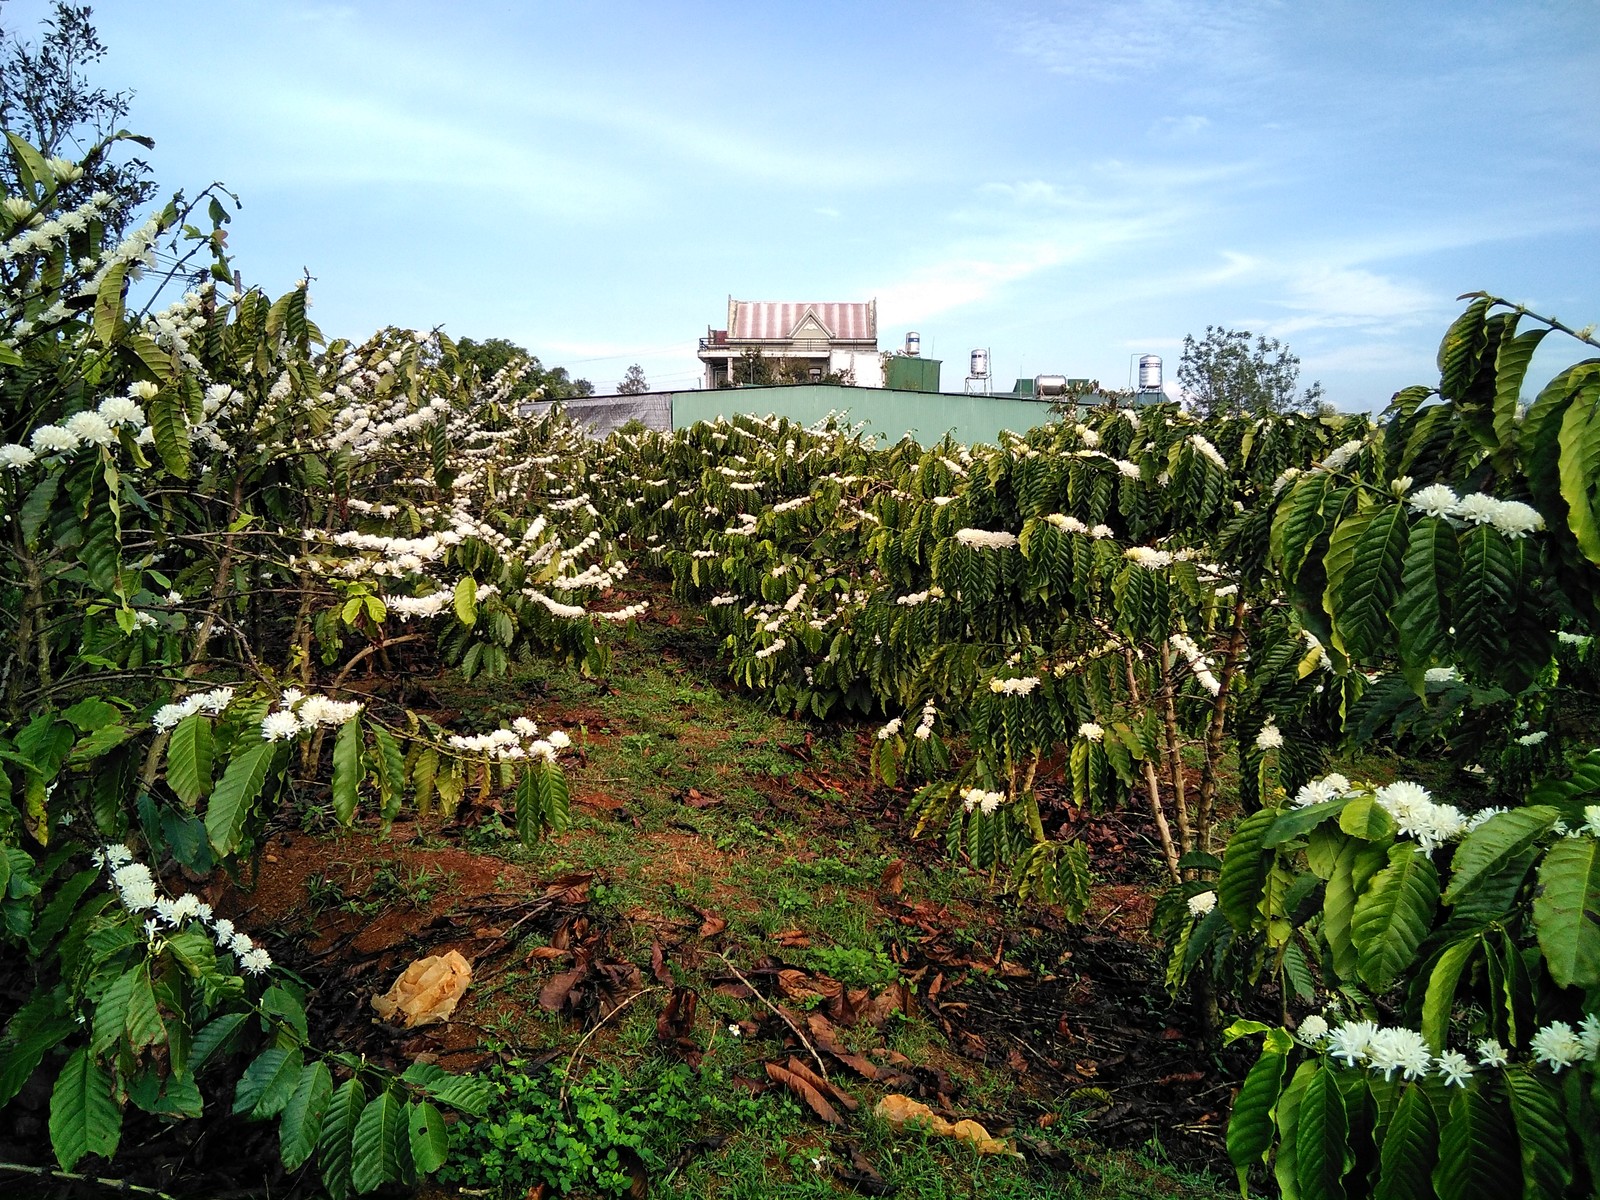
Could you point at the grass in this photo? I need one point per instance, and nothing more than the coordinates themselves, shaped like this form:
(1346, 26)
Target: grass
(690, 797)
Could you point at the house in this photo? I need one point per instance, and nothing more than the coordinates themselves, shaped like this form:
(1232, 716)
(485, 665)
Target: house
(806, 341)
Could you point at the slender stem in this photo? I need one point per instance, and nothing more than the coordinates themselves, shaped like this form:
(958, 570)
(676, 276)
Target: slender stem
(1172, 749)
(116, 1185)
(779, 1013)
(1152, 785)
(1219, 716)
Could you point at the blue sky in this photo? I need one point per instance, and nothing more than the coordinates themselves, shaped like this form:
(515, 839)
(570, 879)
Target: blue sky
(1068, 184)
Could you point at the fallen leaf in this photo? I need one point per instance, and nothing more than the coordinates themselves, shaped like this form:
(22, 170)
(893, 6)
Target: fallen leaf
(712, 924)
(658, 964)
(696, 799)
(862, 1175)
(792, 939)
(562, 990)
(801, 1088)
(677, 1016)
(892, 881)
(844, 1099)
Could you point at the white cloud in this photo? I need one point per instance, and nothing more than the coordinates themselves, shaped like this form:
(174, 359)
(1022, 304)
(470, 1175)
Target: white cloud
(1175, 129)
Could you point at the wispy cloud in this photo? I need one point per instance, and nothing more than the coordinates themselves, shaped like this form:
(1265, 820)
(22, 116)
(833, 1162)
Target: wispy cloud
(1125, 40)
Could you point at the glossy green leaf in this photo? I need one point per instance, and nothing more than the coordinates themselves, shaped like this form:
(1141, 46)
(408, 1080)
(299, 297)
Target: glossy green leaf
(300, 1126)
(1566, 911)
(189, 758)
(1393, 915)
(1321, 1131)
(235, 795)
(348, 768)
(84, 1115)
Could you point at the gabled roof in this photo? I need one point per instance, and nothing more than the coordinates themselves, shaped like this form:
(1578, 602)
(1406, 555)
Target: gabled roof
(776, 320)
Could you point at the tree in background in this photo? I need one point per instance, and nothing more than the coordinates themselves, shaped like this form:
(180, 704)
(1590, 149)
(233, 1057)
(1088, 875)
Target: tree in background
(1225, 375)
(633, 383)
(47, 99)
(539, 382)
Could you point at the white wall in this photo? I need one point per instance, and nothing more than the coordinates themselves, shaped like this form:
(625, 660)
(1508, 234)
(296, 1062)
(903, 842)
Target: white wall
(865, 364)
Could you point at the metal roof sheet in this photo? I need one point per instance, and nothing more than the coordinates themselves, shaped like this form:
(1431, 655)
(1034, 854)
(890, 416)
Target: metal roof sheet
(775, 320)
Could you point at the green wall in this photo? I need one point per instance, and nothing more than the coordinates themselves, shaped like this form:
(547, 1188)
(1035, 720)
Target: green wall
(889, 414)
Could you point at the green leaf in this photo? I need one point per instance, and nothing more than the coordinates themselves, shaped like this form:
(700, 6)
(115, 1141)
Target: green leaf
(145, 1027)
(347, 770)
(1439, 999)
(382, 1136)
(111, 1013)
(1541, 1133)
(1579, 468)
(1354, 866)
(84, 1115)
(1368, 820)
(466, 600)
(231, 801)
(301, 1124)
(1408, 1150)
(170, 431)
(1510, 368)
(268, 1083)
(335, 1142)
(1368, 590)
(1427, 582)
(391, 768)
(1321, 1131)
(1244, 869)
(1491, 845)
(1485, 596)
(1298, 821)
(1461, 348)
(466, 1093)
(211, 1038)
(108, 303)
(1250, 1127)
(1566, 911)
(189, 758)
(1475, 1156)
(430, 1142)
(1393, 915)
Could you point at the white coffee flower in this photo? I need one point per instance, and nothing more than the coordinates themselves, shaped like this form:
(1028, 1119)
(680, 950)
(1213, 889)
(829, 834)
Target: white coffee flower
(1202, 903)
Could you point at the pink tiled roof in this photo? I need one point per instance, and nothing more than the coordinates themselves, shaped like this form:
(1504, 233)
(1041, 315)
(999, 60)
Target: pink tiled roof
(776, 319)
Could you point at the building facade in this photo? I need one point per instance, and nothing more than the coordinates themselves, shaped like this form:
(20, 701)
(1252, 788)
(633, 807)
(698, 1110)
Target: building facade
(801, 341)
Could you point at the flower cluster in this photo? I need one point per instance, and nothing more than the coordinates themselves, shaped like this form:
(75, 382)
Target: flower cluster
(212, 703)
(1208, 450)
(1090, 732)
(984, 802)
(521, 741)
(1270, 737)
(301, 714)
(1020, 686)
(1419, 817)
(1148, 557)
(136, 890)
(1202, 903)
(1340, 458)
(984, 539)
(1329, 787)
(1512, 518)
(930, 714)
(1199, 664)
(1389, 1050)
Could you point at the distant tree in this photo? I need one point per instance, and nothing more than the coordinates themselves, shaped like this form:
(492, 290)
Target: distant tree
(633, 383)
(46, 99)
(1225, 373)
(493, 355)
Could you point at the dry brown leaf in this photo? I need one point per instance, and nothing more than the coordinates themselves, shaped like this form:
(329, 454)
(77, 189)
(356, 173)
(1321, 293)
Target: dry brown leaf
(427, 991)
(559, 991)
(892, 881)
(812, 1098)
(842, 1098)
(712, 925)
